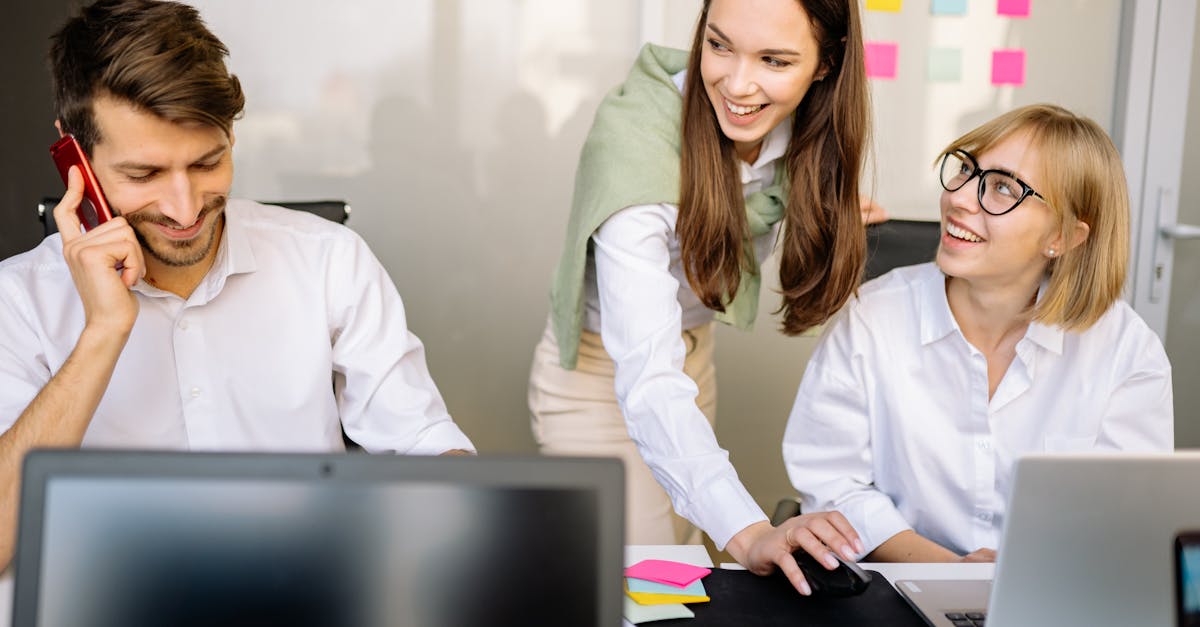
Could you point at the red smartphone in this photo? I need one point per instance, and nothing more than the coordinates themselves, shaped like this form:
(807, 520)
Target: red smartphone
(93, 210)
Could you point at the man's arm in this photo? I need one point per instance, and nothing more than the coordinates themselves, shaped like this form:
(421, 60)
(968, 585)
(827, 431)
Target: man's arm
(60, 413)
(57, 418)
(388, 402)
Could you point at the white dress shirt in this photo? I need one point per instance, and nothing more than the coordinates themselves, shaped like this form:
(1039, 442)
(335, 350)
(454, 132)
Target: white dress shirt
(638, 299)
(893, 426)
(295, 333)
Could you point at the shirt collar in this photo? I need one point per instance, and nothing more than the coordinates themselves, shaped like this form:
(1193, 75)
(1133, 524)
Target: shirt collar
(775, 144)
(937, 321)
(235, 244)
(235, 255)
(1048, 336)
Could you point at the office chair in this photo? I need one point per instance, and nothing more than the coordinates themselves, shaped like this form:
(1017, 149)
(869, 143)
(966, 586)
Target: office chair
(898, 243)
(890, 245)
(332, 210)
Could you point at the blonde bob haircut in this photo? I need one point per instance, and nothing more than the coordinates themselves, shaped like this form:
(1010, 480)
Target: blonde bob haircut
(1081, 180)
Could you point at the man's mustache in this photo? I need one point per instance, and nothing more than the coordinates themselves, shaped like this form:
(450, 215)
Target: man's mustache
(140, 217)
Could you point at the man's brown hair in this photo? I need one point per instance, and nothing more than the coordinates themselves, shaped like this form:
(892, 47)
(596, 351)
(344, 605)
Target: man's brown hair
(158, 56)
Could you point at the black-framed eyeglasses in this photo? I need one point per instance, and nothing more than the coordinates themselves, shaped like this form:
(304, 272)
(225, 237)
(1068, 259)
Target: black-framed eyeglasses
(999, 191)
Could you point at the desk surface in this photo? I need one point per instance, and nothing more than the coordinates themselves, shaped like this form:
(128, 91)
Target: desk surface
(689, 554)
(696, 554)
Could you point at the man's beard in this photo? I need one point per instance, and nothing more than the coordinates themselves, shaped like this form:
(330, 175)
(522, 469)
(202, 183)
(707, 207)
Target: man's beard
(179, 253)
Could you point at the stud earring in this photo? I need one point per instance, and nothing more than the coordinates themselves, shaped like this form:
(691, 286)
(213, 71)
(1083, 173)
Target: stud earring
(1051, 252)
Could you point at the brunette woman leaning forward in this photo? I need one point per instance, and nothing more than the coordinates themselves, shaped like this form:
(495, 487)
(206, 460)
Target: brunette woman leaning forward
(695, 168)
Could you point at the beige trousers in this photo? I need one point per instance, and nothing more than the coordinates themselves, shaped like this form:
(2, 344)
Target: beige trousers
(575, 412)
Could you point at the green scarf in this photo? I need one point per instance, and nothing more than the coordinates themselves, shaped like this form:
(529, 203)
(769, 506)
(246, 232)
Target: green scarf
(631, 157)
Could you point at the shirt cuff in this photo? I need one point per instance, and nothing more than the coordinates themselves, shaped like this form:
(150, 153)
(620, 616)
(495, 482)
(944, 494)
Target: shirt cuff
(875, 519)
(440, 437)
(723, 509)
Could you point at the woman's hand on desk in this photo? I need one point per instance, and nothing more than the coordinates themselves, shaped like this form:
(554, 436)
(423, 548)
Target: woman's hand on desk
(980, 555)
(762, 548)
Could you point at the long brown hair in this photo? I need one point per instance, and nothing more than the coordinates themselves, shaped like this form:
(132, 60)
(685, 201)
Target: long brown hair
(823, 247)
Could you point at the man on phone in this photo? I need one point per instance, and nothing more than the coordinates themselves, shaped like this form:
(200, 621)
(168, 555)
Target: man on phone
(190, 320)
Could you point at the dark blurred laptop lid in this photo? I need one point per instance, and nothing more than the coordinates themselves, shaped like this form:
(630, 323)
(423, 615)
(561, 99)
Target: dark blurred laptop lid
(110, 539)
(1089, 540)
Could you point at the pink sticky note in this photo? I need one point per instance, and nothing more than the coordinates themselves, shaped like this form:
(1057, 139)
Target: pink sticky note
(663, 571)
(881, 59)
(1013, 8)
(1008, 67)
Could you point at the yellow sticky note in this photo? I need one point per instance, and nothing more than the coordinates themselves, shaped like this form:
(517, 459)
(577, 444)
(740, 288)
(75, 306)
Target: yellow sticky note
(647, 598)
(890, 6)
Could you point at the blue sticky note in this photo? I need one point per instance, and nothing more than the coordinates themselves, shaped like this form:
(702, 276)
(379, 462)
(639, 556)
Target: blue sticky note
(696, 589)
(948, 7)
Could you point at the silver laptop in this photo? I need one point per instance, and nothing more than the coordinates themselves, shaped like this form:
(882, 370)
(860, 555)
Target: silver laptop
(1088, 541)
(119, 539)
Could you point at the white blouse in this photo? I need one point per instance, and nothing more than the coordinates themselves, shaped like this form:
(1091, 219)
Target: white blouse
(638, 299)
(893, 427)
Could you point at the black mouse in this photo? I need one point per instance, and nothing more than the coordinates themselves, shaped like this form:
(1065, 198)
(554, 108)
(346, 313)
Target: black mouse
(844, 581)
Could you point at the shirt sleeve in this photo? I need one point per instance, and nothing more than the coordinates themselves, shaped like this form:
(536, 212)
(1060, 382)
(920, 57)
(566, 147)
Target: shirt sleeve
(827, 445)
(386, 397)
(640, 325)
(1140, 416)
(24, 368)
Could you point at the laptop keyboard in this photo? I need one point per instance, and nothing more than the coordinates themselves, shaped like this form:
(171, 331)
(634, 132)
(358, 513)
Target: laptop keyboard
(967, 619)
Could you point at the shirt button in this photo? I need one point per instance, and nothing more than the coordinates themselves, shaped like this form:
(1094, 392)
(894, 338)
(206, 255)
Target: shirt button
(983, 445)
(195, 392)
(984, 516)
(183, 325)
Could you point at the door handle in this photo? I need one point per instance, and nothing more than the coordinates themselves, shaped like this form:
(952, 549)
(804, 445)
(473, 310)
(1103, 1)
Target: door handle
(1181, 231)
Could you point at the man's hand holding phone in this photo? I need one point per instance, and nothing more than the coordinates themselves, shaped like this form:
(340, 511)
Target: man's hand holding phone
(93, 258)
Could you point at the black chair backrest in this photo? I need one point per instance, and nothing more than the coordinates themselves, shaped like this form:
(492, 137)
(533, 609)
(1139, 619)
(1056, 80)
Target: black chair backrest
(897, 243)
(332, 210)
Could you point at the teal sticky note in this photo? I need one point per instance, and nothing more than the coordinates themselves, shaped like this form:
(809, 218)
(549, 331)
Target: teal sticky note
(638, 614)
(696, 589)
(945, 65)
(948, 7)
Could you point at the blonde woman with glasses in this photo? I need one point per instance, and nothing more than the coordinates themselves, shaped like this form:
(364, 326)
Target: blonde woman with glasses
(932, 382)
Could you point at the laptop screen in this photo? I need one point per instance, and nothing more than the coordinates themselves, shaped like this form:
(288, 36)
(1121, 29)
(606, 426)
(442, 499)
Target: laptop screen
(352, 540)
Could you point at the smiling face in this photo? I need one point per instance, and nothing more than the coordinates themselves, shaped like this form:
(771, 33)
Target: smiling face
(1013, 248)
(758, 61)
(169, 180)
